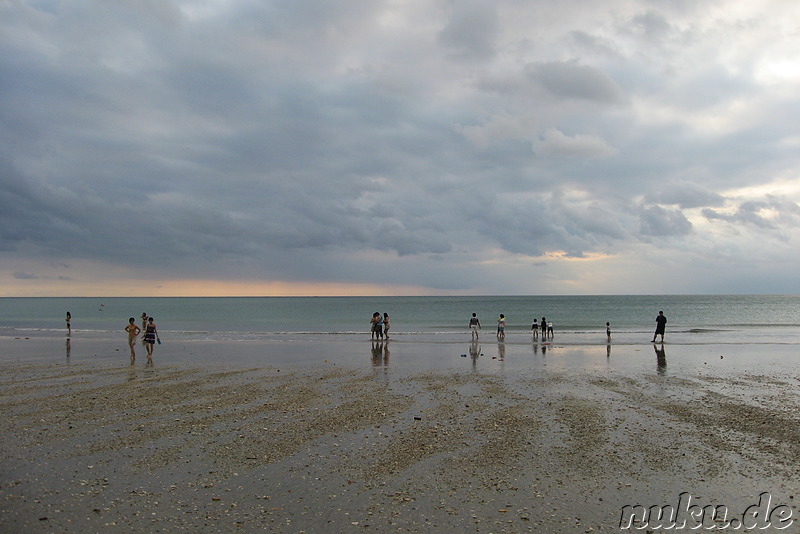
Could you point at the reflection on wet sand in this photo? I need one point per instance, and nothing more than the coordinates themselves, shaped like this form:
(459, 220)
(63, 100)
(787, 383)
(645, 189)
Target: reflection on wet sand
(501, 351)
(474, 352)
(380, 353)
(661, 359)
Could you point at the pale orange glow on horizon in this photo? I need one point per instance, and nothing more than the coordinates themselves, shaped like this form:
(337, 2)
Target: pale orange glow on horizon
(221, 288)
(204, 288)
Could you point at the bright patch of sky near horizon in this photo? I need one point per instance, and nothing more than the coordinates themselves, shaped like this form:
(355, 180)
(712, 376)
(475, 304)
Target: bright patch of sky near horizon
(384, 147)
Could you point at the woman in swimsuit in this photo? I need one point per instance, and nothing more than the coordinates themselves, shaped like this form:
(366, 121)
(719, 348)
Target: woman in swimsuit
(150, 337)
(132, 331)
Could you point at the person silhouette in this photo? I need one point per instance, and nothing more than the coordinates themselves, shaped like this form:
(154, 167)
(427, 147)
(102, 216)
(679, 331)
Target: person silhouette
(661, 325)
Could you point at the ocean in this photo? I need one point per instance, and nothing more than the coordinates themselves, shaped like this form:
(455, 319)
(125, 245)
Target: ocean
(692, 319)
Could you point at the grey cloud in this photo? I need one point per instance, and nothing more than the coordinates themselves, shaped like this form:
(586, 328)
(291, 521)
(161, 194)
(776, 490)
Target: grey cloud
(33, 276)
(284, 139)
(406, 242)
(660, 222)
(651, 25)
(27, 213)
(686, 195)
(657, 30)
(535, 225)
(555, 142)
(712, 214)
(771, 213)
(471, 31)
(575, 81)
(594, 44)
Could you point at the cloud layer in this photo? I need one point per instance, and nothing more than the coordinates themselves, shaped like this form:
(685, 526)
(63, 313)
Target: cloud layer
(412, 147)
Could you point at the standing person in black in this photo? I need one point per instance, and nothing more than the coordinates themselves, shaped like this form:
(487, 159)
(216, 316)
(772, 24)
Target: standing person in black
(150, 338)
(661, 325)
(144, 317)
(544, 328)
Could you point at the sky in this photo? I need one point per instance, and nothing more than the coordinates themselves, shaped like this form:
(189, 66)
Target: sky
(399, 147)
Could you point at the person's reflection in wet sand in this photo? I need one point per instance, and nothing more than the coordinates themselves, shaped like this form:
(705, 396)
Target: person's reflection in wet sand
(377, 353)
(544, 350)
(474, 352)
(380, 359)
(535, 347)
(661, 359)
(501, 351)
(69, 348)
(608, 350)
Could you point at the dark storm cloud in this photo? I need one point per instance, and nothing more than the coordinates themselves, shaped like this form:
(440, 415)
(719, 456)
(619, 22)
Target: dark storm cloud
(421, 143)
(533, 225)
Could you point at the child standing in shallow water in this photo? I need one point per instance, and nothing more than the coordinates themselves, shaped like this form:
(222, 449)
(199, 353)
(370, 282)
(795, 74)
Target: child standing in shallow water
(474, 326)
(132, 331)
(501, 327)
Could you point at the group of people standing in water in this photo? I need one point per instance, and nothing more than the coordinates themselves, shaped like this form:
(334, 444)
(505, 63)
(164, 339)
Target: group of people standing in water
(149, 339)
(547, 328)
(379, 326)
(148, 329)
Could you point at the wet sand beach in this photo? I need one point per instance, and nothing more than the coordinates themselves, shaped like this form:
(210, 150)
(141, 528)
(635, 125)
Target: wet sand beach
(558, 441)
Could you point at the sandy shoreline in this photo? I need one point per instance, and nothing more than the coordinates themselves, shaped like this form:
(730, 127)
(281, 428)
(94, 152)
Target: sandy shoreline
(326, 447)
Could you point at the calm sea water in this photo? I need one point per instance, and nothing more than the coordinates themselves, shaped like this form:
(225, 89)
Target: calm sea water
(577, 319)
